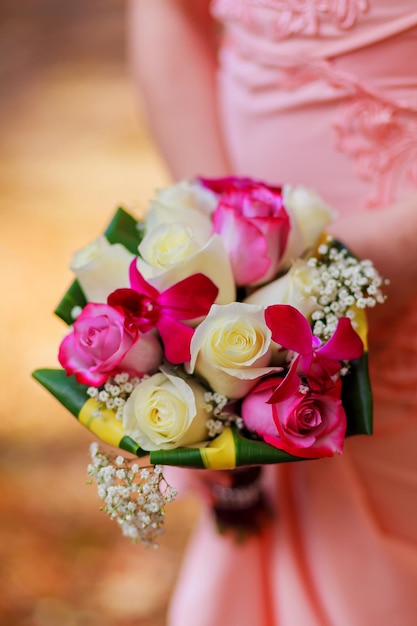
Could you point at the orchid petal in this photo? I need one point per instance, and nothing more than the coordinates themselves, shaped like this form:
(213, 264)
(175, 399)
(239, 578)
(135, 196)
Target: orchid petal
(131, 301)
(189, 298)
(289, 327)
(139, 284)
(176, 338)
(345, 343)
(288, 386)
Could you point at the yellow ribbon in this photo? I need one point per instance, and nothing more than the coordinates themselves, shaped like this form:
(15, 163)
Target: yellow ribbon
(221, 452)
(101, 422)
(360, 324)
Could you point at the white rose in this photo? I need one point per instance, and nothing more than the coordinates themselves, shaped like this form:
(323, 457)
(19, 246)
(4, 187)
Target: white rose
(101, 267)
(168, 244)
(186, 202)
(211, 260)
(165, 412)
(310, 216)
(296, 287)
(231, 348)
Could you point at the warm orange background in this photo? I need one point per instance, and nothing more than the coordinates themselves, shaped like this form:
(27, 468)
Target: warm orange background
(73, 146)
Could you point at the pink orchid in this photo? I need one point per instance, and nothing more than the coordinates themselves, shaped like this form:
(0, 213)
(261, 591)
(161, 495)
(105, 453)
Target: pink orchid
(302, 421)
(320, 362)
(148, 308)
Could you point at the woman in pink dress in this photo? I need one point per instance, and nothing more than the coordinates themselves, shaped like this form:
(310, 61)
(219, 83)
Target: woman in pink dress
(322, 93)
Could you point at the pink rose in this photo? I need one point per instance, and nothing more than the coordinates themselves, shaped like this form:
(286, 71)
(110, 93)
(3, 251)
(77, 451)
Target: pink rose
(295, 418)
(254, 225)
(103, 341)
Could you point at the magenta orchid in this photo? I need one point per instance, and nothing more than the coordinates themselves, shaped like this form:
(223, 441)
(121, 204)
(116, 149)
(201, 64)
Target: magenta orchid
(148, 309)
(254, 226)
(319, 362)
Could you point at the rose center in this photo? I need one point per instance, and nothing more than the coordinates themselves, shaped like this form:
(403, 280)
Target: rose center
(308, 418)
(91, 337)
(260, 203)
(236, 344)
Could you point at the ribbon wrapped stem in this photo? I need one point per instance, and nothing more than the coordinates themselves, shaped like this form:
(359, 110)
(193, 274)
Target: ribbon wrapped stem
(238, 500)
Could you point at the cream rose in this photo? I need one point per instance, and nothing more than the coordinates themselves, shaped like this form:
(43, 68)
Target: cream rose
(211, 260)
(186, 202)
(101, 267)
(231, 348)
(165, 412)
(169, 244)
(310, 217)
(295, 288)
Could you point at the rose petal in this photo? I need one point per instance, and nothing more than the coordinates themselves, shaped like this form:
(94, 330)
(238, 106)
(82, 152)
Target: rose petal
(239, 236)
(211, 260)
(101, 268)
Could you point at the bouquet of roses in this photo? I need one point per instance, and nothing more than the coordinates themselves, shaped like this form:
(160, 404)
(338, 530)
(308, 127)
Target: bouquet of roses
(224, 330)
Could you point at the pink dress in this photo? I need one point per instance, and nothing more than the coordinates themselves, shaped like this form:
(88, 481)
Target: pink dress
(324, 93)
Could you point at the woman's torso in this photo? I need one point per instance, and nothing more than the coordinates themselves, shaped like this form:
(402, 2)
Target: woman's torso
(324, 93)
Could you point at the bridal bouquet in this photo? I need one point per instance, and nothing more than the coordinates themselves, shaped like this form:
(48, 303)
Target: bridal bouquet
(224, 330)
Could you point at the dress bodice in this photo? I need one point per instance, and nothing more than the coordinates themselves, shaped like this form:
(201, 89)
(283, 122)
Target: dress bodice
(356, 56)
(341, 25)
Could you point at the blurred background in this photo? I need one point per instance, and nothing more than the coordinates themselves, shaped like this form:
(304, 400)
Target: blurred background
(73, 146)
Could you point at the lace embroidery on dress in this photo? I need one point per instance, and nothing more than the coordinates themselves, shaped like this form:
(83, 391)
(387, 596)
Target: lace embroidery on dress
(282, 18)
(378, 135)
(382, 139)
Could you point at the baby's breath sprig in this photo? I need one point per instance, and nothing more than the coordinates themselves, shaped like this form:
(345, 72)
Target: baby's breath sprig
(114, 393)
(340, 283)
(214, 403)
(135, 497)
